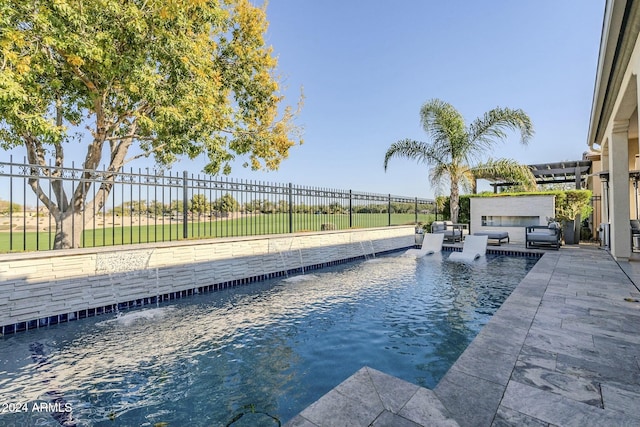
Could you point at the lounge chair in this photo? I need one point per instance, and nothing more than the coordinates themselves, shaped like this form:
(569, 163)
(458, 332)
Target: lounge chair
(473, 248)
(431, 243)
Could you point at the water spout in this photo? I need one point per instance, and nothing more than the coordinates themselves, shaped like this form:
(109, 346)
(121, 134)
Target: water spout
(276, 247)
(299, 250)
(364, 252)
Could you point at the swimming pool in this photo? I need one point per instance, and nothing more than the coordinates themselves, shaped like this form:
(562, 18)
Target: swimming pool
(258, 353)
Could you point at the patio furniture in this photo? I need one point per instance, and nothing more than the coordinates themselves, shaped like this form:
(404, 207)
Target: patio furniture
(451, 231)
(635, 235)
(494, 235)
(473, 248)
(540, 236)
(431, 244)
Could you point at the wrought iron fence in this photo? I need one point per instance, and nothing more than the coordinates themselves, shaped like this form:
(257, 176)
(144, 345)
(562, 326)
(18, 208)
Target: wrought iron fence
(154, 206)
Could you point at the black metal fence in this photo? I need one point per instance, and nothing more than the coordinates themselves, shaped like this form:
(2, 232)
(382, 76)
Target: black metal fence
(153, 206)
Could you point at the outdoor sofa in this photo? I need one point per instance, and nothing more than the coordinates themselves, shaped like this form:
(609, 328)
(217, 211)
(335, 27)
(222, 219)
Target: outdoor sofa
(543, 236)
(635, 232)
(451, 231)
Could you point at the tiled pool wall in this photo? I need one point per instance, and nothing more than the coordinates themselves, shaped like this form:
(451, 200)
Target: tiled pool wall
(47, 288)
(529, 253)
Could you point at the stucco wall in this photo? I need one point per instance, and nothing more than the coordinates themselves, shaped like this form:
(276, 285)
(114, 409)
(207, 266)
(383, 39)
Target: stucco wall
(76, 283)
(542, 206)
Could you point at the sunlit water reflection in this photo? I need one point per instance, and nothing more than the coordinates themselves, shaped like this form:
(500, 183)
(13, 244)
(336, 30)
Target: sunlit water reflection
(260, 352)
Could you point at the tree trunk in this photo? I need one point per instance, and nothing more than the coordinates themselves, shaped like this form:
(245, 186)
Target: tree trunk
(454, 199)
(69, 227)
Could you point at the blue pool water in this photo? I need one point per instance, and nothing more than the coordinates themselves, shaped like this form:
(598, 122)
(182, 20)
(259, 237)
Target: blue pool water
(256, 354)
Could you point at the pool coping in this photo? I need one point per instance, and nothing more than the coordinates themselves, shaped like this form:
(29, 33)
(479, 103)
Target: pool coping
(530, 364)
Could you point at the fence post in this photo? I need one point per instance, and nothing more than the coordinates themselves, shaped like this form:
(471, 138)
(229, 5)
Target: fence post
(11, 203)
(389, 209)
(350, 210)
(290, 208)
(416, 215)
(73, 221)
(185, 204)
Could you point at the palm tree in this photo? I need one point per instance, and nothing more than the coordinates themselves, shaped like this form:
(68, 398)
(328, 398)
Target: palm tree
(455, 148)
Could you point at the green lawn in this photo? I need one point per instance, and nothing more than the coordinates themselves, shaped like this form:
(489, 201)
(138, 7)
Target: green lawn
(157, 231)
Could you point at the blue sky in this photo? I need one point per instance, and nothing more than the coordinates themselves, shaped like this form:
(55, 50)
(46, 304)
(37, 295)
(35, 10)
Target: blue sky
(367, 67)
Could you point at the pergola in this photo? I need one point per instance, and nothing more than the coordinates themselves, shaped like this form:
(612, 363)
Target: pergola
(556, 173)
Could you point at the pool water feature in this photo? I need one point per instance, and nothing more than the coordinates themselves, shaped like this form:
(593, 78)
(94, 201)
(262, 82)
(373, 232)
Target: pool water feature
(256, 354)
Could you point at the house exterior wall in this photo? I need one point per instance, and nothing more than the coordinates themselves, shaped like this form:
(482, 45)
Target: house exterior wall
(36, 286)
(540, 206)
(613, 127)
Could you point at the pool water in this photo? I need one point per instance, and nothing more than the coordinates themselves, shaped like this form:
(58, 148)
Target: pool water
(257, 354)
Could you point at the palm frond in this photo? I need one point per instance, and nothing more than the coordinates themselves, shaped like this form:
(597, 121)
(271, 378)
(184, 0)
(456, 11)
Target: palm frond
(485, 131)
(507, 170)
(437, 175)
(468, 180)
(408, 149)
(442, 122)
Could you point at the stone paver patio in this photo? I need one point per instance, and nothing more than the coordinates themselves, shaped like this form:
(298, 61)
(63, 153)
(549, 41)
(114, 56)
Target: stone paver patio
(563, 350)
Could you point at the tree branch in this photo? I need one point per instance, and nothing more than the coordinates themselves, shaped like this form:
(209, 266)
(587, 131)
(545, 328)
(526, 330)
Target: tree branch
(34, 149)
(119, 151)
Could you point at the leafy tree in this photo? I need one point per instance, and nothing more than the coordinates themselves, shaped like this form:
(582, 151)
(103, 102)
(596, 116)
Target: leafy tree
(571, 204)
(252, 207)
(130, 207)
(282, 206)
(156, 208)
(176, 206)
(259, 206)
(176, 78)
(267, 206)
(464, 212)
(199, 204)
(225, 204)
(403, 208)
(6, 207)
(370, 208)
(455, 148)
(336, 208)
(302, 208)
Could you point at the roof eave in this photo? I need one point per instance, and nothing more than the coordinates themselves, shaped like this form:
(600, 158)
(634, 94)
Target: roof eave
(612, 31)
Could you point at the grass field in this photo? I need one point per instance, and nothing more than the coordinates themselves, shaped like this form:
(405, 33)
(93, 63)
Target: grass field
(159, 230)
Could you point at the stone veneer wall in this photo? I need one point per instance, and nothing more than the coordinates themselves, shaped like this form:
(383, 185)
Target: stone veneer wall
(44, 288)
